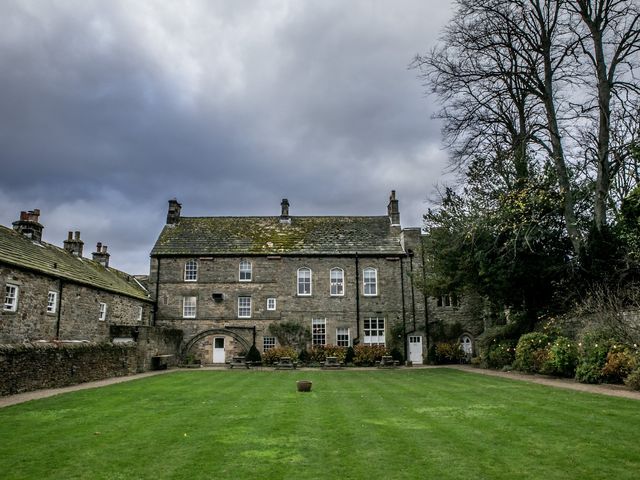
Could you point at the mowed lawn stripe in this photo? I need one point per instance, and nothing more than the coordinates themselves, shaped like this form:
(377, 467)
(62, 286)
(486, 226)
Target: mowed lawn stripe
(353, 424)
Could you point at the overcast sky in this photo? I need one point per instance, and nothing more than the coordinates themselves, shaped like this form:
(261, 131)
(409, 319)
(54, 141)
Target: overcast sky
(111, 108)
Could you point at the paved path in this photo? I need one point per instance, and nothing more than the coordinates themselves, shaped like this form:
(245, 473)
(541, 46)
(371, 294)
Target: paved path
(568, 383)
(612, 390)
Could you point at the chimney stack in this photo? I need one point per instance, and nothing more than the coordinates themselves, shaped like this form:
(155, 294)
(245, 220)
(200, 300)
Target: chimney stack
(28, 225)
(284, 214)
(74, 245)
(100, 255)
(393, 211)
(173, 215)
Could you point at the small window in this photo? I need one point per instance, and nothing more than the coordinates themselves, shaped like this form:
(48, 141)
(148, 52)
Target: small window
(319, 331)
(342, 337)
(374, 331)
(370, 282)
(189, 307)
(304, 281)
(336, 279)
(245, 271)
(52, 302)
(191, 271)
(103, 312)
(10, 298)
(271, 303)
(244, 307)
(268, 343)
(139, 314)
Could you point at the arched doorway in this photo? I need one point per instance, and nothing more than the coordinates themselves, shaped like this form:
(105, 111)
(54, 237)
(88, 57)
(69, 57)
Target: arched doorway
(466, 343)
(219, 343)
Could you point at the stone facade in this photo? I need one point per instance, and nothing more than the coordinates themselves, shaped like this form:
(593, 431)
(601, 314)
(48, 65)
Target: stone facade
(51, 293)
(274, 275)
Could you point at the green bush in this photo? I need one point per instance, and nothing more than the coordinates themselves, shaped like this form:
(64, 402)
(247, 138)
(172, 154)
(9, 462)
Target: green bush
(633, 379)
(500, 354)
(563, 357)
(349, 355)
(367, 355)
(273, 354)
(253, 355)
(593, 351)
(448, 352)
(532, 352)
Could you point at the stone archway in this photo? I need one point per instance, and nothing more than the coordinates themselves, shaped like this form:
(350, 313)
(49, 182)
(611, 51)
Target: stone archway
(214, 331)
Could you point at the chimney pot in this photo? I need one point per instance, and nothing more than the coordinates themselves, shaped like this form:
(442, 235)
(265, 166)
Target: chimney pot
(284, 214)
(74, 245)
(173, 214)
(70, 236)
(77, 235)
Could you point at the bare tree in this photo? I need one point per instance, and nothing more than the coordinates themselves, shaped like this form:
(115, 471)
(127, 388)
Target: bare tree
(528, 82)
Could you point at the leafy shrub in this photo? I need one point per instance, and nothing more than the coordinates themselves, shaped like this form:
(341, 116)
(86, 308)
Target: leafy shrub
(290, 334)
(348, 358)
(273, 354)
(620, 363)
(367, 355)
(563, 357)
(319, 353)
(633, 379)
(592, 358)
(500, 354)
(253, 355)
(531, 352)
(448, 352)
(303, 356)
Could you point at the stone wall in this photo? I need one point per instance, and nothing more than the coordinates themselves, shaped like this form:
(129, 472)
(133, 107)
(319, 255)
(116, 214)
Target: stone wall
(276, 277)
(32, 366)
(75, 318)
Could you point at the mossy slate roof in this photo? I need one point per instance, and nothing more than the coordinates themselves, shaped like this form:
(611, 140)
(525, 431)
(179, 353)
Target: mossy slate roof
(269, 236)
(22, 252)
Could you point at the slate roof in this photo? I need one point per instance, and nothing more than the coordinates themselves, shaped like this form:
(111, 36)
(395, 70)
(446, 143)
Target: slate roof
(22, 252)
(268, 236)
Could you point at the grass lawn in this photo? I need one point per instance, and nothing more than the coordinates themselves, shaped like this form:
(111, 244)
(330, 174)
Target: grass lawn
(414, 424)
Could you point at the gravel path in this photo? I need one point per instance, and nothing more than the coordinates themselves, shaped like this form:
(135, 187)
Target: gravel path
(568, 383)
(612, 390)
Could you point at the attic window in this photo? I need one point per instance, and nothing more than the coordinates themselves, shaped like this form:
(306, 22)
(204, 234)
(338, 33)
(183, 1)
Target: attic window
(245, 271)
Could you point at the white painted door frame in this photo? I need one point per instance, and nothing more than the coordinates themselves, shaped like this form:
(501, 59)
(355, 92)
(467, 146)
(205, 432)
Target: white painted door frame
(415, 349)
(218, 350)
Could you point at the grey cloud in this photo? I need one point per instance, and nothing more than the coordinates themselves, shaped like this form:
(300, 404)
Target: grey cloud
(112, 108)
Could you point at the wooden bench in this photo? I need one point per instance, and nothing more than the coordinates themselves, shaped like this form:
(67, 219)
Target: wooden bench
(285, 363)
(238, 362)
(331, 363)
(387, 362)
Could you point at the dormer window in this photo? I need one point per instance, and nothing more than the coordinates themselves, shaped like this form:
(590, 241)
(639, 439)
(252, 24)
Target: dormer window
(191, 271)
(245, 271)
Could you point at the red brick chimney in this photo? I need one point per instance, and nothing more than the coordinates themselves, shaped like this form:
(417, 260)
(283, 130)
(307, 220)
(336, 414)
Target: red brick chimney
(28, 225)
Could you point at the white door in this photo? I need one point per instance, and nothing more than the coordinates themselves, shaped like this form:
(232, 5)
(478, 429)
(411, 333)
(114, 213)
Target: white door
(415, 350)
(218, 350)
(467, 346)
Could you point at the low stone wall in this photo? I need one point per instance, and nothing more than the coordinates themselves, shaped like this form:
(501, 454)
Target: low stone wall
(34, 366)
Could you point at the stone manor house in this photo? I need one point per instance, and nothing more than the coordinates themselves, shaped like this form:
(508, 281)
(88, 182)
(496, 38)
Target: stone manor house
(222, 281)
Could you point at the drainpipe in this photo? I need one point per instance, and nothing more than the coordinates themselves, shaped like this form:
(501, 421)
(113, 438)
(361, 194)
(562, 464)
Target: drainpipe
(404, 317)
(413, 298)
(425, 296)
(357, 300)
(58, 317)
(155, 304)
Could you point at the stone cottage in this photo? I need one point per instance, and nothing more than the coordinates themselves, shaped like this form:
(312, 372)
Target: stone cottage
(348, 279)
(55, 293)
